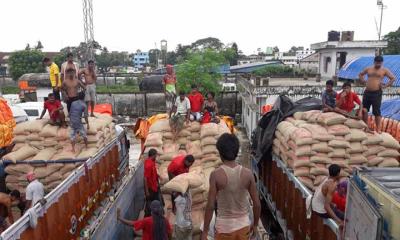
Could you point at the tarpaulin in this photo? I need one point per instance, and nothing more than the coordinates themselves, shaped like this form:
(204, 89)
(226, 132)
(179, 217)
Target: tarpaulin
(283, 107)
(391, 109)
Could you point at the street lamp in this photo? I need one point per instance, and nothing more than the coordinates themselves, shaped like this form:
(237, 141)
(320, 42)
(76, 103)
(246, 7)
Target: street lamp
(381, 6)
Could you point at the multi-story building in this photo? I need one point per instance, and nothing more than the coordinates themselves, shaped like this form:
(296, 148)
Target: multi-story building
(140, 59)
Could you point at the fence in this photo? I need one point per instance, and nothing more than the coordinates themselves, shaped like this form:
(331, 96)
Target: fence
(146, 104)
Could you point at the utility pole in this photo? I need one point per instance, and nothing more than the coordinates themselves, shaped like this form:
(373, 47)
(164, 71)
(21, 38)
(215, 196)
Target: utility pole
(88, 29)
(381, 7)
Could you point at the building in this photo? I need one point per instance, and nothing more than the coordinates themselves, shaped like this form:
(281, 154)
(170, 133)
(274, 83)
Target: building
(140, 59)
(254, 58)
(301, 54)
(310, 63)
(352, 68)
(334, 54)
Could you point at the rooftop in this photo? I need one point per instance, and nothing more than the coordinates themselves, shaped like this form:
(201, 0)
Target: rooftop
(349, 44)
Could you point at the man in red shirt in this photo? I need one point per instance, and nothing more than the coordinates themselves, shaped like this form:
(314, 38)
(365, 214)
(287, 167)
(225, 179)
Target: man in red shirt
(196, 104)
(154, 227)
(55, 109)
(151, 186)
(345, 102)
(180, 165)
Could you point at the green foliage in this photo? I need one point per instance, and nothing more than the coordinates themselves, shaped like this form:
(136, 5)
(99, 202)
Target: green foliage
(199, 69)
(105, 60)
(205, 43)
(274, 70)
(393, 39)
(25, 61)
(10, 90)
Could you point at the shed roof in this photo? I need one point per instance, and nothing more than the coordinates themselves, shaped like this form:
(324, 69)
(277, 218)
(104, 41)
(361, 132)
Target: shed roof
(250, 67)
(352, 68)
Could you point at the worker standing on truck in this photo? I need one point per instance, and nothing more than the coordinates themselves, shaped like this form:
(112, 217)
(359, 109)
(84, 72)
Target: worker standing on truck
(56, 111)
(373, 90)
(230, 187)
(179, 113)
(151, 181)
(78, 108)
(90, 81)
(321, 201)
(34, 190)
(70, 87)
(155, 227)
(345, 102)
(67, 65)
(329, 97)
(169, 82)
(55, 79)
(196, 104)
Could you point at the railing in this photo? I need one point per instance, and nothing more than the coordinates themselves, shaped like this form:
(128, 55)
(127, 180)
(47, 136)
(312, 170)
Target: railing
(70, 205)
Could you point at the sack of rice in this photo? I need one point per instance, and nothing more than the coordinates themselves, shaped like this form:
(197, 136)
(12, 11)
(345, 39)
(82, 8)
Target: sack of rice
(311, 116)
(68, 167)
(209, 129)
(63, 134)
(390, 153)
(331, 118)
(319, 170)
(36, 126)
(49, 187)
(308, 182)
(42, 172)
(208, 141)
(352, 123)
(209, 149)
(374, 160)
(372, 139)
(45, 154)
(21, 154)
(304, 150)
(357, 159)
(195, 179)
(194, 136)
(373, 150)
(389, 162)
(19, 139)
(49, 142)
(182, 141)
(302, 163)
(298, 115)
(56, 176)
(321, 147)
(318, 132)
(356, 147)
(161, 125)
(283, 126)
(321, 158)
(356, 135)
(338, 130)
(339, 144)
(301, 172)
(49, 131)
(87, 153)
(20, 129)
(338, 153)
(184, 133)
(168, 135)
(194, 127)
(153, 139)
(319, 179)
(34, 137)
(176, 185)
(389, 141)
(300, 133)
(18, 169)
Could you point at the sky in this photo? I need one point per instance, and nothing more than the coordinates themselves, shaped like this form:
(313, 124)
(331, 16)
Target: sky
(128, 25)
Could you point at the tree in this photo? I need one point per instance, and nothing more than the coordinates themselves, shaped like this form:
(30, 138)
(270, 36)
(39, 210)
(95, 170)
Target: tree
(39, 46)
(235, 57)
(28, 47)
(105, 60)
(154, 54)
(275, 49)
(210, 42)
(25, 61)
(172, 58)
(200, 69)
(393, 39)
(182, 52)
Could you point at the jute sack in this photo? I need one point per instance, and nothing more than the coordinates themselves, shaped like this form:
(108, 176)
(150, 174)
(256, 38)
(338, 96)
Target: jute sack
(338, 130)
(300, 133)
(301, 172)
(321, 159)
(208, 141)
(184, 133)
(389, 162)
(15, 178)
(356, 147)
(316, 171)
(21, 154)
(36, 144)
(45, 154)
(50, 186)
(389, 141)
(49, 131)
(20, 139)
(87, 153)
(298, 115)
(168, 135)
(194, 127)
(391, 153)
(299, 164)
(68, 167)
(20, 129)
(339, 144)
(374, 160)
(160, 126)
(56, 176)
(153, 139)
(282, 126)
(311, 116)
(209, 129)
(373, 150)
(304, 150)
(209, 149)
(357, 159)
(331, 118)
(308, 182)
(176, 185)
(352, 123)
(194, 136)
(17, 169)
(42, 172)
(195, 179)
(276, 150)
(321, 147)
(372, 139)
(36, 126)
(34, 137)
(338, 153)
(50, 142)
(356, 135)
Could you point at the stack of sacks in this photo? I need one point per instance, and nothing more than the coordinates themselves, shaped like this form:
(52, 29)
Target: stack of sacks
(37, 140)
(309, 142)
(162, 127)
(209, 134)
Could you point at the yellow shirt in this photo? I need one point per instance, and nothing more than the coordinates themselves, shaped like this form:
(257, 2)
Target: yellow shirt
(53, 72)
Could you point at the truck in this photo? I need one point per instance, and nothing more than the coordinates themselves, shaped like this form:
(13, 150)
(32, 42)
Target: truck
(84, 204)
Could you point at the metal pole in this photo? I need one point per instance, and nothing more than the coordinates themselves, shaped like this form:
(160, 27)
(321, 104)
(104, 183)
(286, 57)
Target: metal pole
(380, 24)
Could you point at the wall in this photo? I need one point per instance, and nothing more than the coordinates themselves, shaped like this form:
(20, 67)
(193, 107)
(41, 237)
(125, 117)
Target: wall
(146, 104)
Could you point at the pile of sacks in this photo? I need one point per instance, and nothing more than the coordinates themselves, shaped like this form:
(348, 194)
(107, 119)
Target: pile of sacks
(197, 140)
(38, 140)
(310, 141)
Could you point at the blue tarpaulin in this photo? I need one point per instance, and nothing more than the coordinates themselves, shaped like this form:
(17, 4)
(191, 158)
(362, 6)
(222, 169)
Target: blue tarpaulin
(391, 109)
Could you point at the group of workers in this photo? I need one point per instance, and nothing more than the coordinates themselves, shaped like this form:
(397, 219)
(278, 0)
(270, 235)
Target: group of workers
(76, 86)
(14, 204)
(232, 192)
(346, 101)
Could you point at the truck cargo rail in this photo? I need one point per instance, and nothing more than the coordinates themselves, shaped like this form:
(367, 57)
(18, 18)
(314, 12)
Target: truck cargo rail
(96, 176)
(285, 196)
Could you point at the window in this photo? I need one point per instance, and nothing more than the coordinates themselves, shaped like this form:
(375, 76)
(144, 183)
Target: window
(32, 112)
(326, 64)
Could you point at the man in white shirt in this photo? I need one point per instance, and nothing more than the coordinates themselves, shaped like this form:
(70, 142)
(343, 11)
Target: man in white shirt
(34, 190)
(179, 113)
(183, 217)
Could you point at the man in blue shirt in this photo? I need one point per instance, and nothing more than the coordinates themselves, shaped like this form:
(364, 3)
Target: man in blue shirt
(78, 108)
(329, 97)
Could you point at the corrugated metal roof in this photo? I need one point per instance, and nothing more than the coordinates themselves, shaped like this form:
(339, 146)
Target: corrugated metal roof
(250, 67)
(352, 68)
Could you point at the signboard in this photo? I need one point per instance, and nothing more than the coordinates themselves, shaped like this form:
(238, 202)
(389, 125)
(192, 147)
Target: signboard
(363, 221)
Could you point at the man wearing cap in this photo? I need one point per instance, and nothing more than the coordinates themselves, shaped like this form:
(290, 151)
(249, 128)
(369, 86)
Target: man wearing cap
(34, 190)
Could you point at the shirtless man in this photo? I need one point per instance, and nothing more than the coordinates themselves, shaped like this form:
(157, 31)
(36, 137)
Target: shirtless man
(232, 200)
(6, 211)
(90, 81)
(373, 91)
(69, 64)
(70, 87)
